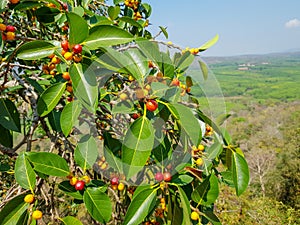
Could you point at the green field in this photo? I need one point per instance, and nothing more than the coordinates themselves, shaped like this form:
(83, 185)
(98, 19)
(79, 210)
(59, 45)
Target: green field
(268, 79)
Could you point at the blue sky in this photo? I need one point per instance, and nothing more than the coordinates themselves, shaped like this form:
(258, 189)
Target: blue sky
(244, 26)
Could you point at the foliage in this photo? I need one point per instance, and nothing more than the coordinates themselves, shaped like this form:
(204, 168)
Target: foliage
(80, 75)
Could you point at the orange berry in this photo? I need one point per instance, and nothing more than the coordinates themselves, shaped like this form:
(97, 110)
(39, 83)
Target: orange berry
(69, 88)
(73, 181)
(77, 58)
(68, 55)
(51, 56)
(10, 36)
(14, 1)
(55, 60)
(29, 198)
(37, 214)
(52, 66)
(4, 37)
(2, 27)
(66, 75)
(114, 186)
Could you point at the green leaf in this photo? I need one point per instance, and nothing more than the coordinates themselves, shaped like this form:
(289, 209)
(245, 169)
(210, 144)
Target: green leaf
(24, 174)
(35, 50)
(70, 190)
(86, 152)
(13, 210)
(27, 5)
(182, 180)
(137, 146)
(84, 85)
(97, 204)
(122, 107)
(49, 98)
(131, 21)
(189, 123)
(240, 173)
(207, 192)
(6, 137)
(46, 14)
(3, 4)
(54, 120)
(49, 163)
(212, 218)
(184, 61)
(105, 36)
(9, 115)
(204, 69)
(213, 151)
(164, 31)
(70, 220)
(69, 116)
(78, 28)
(140, 207)
(113, 12)
(185, 205)
(209, 43)
(113, 161)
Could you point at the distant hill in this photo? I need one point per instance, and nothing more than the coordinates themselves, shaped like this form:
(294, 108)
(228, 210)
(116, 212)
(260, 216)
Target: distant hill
(253, 58)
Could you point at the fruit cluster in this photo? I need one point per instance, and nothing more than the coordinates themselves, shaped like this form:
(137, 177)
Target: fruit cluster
(197, 153)
(36, 214)
(166, 176)
(193, 51)
(134, 4)
(8, 32)
(79, 183)
(70, 52)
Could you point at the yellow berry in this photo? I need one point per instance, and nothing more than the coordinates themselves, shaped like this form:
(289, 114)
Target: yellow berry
(68, 55)
(10, 36)
(37, 214)
(121, 186)
(195, 216)
(73, 181)
(86, 178)
(55, 60)
(201, 147)
(29, 198)
(199, 162)
(123, 96)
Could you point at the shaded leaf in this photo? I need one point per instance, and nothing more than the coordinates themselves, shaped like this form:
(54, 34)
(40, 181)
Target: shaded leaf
(204, 69)
(86, 152)
(185, 205)
(84, 85)
(46, 14)
(70, 190)
(6, 137)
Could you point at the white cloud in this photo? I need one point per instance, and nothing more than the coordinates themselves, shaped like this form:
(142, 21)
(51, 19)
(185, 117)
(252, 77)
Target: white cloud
(292, 23)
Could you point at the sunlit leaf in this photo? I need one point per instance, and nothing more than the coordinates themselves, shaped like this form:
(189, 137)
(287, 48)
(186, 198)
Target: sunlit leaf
(35, 50)
(209, 43)
(240, 173)
(70, 220)
(78, 28)
(69, 116)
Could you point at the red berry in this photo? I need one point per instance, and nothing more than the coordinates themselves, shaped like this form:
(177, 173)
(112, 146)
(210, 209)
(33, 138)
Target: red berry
(167, 176)
(10, 28)
(79, 185)
(114, 181)
(175, 82)
(65, 45)
(151, 105)
(135, 116)
(159, 176)
(77, 49)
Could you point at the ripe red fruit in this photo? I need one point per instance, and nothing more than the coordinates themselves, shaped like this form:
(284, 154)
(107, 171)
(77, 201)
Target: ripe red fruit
(167, 176)
(10, 28)
(114, 181)
(151, 105)
(79, 185)
(159, 176)
(65, 45)
(77, 49)
(175, 82)
(135, 116)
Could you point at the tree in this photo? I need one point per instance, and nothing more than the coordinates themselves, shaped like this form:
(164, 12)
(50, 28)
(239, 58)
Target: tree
(107, 119)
